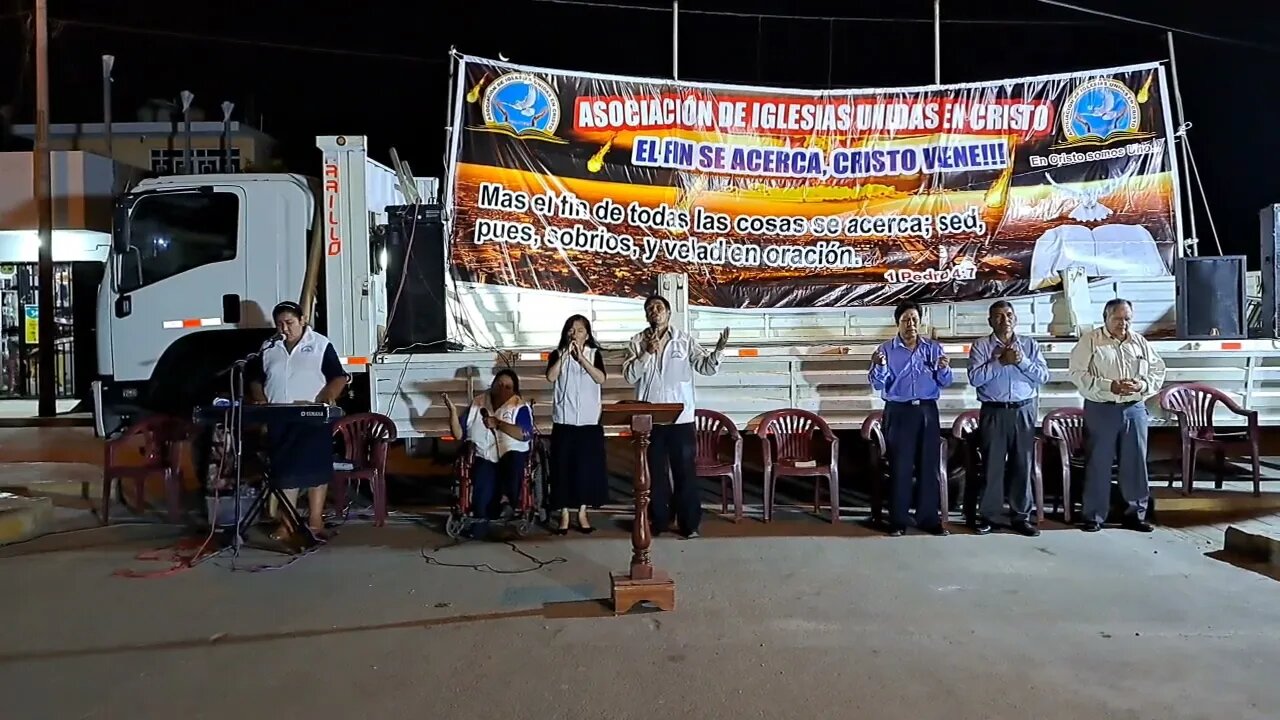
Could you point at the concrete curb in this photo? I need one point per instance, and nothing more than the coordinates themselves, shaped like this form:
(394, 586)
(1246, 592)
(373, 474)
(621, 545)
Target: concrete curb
(22, 518)
(1257, 547)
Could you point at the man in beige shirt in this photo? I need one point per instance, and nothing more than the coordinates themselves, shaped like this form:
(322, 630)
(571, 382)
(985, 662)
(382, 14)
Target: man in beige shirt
(1116, 371)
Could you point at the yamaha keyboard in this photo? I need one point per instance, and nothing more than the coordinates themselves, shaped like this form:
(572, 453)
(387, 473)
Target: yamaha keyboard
(291, 413)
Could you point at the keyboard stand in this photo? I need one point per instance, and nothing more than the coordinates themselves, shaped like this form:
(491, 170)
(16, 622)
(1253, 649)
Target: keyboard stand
(291, 515)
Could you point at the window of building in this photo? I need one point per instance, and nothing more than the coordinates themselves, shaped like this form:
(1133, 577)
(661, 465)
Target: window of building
(206, 160)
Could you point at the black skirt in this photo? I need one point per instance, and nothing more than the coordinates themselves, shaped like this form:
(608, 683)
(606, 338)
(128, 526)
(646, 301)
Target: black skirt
(301, 455)
(578, 475)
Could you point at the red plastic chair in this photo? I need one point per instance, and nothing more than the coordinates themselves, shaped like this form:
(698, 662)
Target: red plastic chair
(798, 443)
(365, 440)
(1194, 404)
(873, 434)
(161, 454)
(1064, 429)
(964, 431)
(712, 428)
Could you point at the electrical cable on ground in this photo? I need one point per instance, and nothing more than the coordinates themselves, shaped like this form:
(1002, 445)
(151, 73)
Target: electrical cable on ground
(486, 567)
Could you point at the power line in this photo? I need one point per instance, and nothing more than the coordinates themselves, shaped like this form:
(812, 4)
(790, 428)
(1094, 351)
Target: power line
(1160, 26)
(242, 41)
(822, 18)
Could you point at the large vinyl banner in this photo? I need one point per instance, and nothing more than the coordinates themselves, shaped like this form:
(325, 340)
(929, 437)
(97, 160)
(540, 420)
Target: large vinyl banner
(781, 198)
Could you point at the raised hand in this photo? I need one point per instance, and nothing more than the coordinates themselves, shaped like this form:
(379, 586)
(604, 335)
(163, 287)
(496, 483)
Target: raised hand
(723, 341)
(651, 342)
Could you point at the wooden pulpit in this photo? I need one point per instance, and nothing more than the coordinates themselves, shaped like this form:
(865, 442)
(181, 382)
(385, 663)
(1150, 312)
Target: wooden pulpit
(642, 582)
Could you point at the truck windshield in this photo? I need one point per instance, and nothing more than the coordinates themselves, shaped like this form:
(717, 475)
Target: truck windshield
(172, 233)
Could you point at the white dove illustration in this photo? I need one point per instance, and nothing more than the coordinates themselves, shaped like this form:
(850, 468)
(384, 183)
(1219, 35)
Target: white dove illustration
(1088, 208)
(525, 106)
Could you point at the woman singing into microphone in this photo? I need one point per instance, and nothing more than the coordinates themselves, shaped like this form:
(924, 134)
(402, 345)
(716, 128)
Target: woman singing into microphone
(576, 371)
(299, 365)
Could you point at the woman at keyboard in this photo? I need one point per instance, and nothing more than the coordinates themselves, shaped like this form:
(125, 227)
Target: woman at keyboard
(298, 365)
(499, 424)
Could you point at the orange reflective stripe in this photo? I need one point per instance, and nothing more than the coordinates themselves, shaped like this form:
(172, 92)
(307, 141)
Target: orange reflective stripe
(191, 323)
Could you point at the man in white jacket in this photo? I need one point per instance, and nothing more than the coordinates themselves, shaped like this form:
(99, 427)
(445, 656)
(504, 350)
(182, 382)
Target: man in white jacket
(661, 362)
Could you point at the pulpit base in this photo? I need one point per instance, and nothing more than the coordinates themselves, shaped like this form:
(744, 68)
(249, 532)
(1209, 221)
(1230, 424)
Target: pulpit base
(660, 590)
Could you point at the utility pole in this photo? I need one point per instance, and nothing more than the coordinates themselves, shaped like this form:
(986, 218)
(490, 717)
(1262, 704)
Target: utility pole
(46, 327)
(937, 42)
(675, 40)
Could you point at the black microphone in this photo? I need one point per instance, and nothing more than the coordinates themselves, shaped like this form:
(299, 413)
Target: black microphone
(484, 413)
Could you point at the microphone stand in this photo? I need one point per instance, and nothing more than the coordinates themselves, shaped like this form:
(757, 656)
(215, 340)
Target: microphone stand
(235, 421)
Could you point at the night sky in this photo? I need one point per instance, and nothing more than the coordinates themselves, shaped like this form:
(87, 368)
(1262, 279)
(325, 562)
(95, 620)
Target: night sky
(380, 68)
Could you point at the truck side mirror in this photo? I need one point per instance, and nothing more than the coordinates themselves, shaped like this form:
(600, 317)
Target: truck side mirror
(378, 250)
(120, 227)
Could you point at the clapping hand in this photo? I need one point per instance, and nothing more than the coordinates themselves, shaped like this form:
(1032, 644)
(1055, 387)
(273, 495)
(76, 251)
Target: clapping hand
(1012, 355)
(943, 362)
(877, 357)
(723, 341)
(1125, 387)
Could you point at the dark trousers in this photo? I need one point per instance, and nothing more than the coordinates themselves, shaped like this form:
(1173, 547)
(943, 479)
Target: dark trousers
(1112, 429)
(490, 481)
(671, 463)
(1008, 445)
(911, 433)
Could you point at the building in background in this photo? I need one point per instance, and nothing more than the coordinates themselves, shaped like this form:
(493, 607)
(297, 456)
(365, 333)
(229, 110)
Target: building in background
(84, 186)
(157, 140)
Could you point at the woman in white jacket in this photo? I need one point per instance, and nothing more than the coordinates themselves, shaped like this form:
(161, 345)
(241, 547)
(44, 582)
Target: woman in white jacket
(499, 423)
(578, 477)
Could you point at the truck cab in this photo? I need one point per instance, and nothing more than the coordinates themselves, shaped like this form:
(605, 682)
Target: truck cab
(198, 261)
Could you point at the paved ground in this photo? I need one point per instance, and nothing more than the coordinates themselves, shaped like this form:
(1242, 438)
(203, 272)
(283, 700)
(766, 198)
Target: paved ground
(1069, 625)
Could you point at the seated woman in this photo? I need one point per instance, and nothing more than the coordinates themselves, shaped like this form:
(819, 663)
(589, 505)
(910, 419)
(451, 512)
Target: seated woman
(300, 366)
(500, 425)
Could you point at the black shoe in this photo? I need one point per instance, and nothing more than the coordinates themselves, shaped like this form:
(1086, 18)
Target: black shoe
(1025, 529)
(1091, 526)
(936, 530)
(1137, 525)
(559, 531)
(897, 531)
(586, 530)
(980, 526)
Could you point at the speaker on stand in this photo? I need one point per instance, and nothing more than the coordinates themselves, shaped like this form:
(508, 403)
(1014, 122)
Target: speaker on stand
(1270, 231)
(1211, 298)
(416, 279)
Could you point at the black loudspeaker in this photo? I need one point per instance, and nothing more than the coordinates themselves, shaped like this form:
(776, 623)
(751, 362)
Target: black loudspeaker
(415, 279)
(1270, 221)
(1211, 298)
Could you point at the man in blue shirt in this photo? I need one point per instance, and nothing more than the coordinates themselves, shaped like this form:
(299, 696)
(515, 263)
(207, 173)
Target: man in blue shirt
(1007, 369)
(909, 372)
